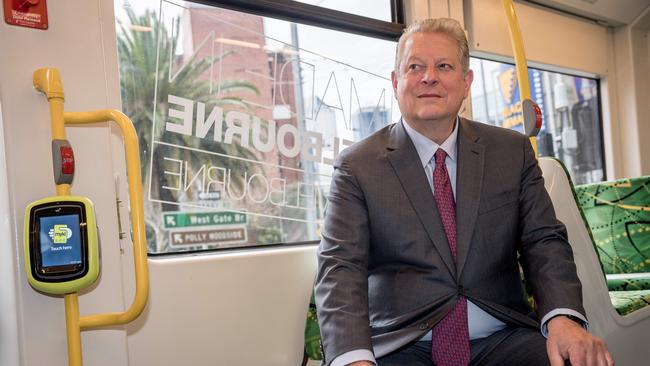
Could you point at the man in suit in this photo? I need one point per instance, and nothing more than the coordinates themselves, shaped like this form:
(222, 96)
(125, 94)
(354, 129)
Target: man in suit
(426, 222)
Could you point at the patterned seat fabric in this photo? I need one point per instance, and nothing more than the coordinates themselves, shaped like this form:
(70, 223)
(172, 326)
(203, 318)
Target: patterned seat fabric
(621, 283)
(626, 302)
(618, 215)
(313, 349)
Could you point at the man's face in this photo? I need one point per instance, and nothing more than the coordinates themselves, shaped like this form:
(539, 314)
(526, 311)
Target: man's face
(429, 84)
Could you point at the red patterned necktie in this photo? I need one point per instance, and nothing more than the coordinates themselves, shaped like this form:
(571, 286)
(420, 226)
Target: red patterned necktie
(450, 337)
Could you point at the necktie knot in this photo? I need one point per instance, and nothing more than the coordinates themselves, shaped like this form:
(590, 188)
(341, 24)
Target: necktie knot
(440, 156)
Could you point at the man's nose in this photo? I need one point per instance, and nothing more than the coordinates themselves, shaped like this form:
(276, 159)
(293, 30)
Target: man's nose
(430, 76)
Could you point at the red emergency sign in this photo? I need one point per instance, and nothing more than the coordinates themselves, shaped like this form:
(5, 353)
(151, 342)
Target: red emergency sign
(26, 13)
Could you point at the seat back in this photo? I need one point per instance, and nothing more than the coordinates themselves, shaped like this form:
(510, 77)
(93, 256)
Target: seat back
(245, 307)
(626, 335)
(596, 298)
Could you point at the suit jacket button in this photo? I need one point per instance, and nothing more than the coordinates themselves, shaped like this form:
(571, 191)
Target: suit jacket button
(424, 325)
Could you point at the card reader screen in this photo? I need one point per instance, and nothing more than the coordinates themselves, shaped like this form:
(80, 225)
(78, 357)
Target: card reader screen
(60, 240)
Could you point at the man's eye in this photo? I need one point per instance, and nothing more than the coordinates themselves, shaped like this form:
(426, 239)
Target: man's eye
(445, 67)
(414, 67)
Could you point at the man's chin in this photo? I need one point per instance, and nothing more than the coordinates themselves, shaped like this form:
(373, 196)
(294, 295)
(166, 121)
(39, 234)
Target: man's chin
(434, 117)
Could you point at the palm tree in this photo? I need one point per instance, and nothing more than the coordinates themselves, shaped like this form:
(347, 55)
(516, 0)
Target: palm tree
(144, 93)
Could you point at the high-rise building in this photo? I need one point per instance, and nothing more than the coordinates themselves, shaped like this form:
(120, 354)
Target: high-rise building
(368, 120)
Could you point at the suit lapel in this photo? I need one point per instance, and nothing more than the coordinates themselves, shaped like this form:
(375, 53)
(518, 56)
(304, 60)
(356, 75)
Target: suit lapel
(469, 181)
(405, 162)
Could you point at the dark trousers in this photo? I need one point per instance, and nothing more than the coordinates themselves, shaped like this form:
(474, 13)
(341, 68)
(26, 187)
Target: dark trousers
(508, 347)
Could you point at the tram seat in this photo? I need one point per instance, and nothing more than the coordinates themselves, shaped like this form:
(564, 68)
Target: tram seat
(243, 307)
(625, 330)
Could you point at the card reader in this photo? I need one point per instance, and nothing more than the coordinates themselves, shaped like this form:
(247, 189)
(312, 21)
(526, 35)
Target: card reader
(61, 244)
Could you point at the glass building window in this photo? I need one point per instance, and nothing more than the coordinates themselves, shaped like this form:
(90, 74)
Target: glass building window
(571, 128)
(240, 118)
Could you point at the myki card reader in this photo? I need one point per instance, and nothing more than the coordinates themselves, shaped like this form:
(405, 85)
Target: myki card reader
(61, 244)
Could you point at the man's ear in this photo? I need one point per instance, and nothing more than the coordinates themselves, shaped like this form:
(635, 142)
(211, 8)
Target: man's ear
(393, 78)
(468, 78)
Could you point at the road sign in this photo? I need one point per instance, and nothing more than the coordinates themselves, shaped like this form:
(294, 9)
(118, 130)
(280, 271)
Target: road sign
(214, 195)
(176, 220)
(203, 237)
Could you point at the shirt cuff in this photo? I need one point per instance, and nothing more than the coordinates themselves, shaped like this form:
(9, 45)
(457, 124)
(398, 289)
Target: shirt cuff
(561, 311)
(354, 356)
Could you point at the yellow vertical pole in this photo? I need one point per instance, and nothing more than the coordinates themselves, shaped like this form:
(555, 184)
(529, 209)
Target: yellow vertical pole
(72, 329)
(520, 57)
(58, 132)
(48, 81)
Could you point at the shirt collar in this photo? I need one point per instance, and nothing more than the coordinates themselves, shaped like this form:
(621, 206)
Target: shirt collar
(426, 148)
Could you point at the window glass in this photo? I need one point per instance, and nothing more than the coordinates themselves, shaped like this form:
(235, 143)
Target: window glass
(571, 127)
(377, 9)
(240, 118)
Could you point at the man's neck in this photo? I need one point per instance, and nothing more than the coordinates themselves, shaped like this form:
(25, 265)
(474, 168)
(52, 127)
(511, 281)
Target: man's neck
(436, 131)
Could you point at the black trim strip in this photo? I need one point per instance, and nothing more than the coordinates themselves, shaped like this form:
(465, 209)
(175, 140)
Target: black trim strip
(601, 132)
(318, 16)
(397, 11)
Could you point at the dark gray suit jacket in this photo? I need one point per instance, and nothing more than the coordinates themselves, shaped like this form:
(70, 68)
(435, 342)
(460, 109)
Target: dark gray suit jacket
(385, 270)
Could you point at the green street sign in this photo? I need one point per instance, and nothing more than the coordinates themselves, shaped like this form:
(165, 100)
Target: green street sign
(214, 237)
(192, 219)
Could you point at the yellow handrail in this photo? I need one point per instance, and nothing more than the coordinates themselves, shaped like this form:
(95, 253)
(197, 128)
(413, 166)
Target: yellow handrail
(48, 81)
(520, 57)
(72, 328)
(137, 216)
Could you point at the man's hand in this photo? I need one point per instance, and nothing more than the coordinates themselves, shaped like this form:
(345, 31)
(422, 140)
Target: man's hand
(361, 363)
(567, 340)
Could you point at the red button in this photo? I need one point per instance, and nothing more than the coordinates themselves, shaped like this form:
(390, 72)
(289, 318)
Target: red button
(538, 116)
(67, 160)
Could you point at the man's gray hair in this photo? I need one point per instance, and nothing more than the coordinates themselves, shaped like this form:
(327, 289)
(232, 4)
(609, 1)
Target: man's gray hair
(447, 26)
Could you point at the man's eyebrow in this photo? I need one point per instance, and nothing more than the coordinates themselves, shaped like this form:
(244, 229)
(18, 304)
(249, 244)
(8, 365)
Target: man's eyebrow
(444, 58)
(414, 58)
(436, 60)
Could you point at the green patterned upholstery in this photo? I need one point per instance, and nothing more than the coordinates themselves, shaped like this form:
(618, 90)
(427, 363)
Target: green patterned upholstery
(312, 333)
(628, 284)
(626, 302)
(618, 215)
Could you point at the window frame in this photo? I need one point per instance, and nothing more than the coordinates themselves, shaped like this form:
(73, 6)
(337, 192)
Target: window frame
(318, 16)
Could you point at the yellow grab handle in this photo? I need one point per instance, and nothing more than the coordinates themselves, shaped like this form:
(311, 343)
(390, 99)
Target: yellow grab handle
(72, 329)
(48, 81)
(520, 57)
(137, 216)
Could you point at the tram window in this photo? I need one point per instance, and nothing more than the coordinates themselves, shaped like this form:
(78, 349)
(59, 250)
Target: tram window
(369, 8)
(240, 117)
(571, 129)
